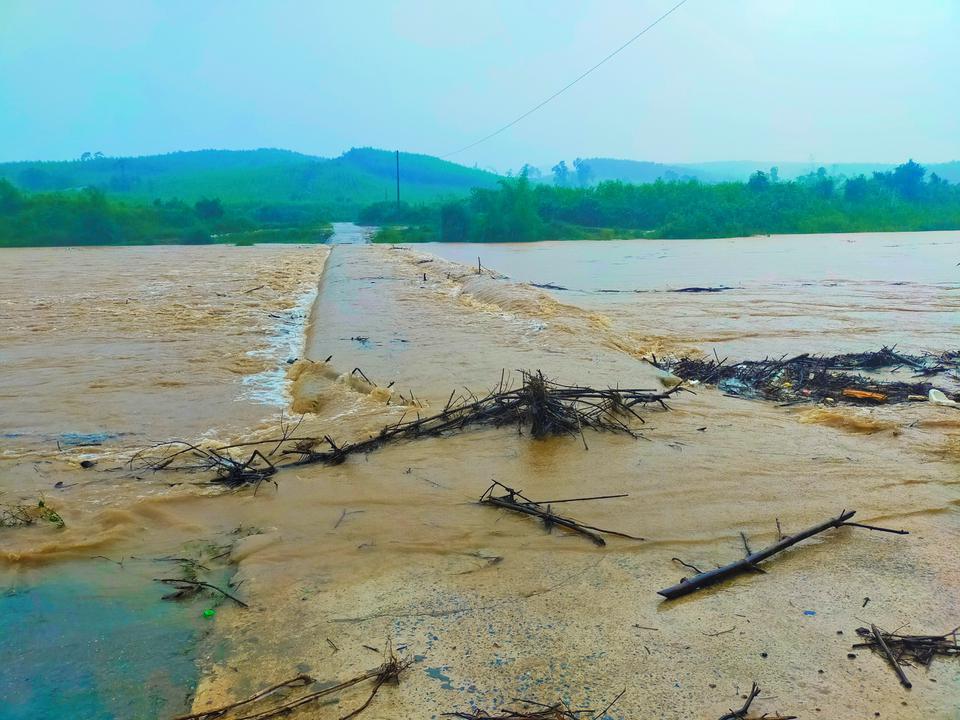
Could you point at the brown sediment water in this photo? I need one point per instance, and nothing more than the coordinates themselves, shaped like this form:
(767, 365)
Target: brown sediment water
(393, 544)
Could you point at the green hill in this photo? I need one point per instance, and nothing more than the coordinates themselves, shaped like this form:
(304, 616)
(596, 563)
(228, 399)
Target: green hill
(277, 182)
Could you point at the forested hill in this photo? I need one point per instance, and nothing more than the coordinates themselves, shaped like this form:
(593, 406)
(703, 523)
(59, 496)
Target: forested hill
(338, 187)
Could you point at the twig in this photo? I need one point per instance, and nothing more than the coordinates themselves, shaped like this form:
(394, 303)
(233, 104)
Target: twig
(200, 584)
(596, 497)
(722, 632)
(610, 705)
(298, 681)
(388, 672)
(879, 529)
(904, 680)
(742, 712)
(687, 565)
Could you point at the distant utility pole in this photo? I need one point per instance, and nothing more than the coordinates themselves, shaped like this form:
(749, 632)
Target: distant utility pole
(398, 179)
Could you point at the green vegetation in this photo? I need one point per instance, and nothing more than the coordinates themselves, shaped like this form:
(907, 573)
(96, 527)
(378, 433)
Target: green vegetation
(240, 197)
(267, 185)
(637, 171)
(740, 171)
(22, 515)
(88, 217)
(901, 199)
(279, 196)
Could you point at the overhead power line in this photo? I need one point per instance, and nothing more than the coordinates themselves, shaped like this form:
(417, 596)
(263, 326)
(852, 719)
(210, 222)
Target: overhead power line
(571, 83)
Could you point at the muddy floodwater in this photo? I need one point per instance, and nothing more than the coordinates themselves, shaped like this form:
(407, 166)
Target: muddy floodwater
(107, 352)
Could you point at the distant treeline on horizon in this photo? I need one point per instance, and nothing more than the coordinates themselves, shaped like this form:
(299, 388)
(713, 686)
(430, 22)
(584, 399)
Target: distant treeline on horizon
(903, 199)
(281, 196)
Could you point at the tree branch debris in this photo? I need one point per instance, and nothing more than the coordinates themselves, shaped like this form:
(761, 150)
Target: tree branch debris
(908, 649)
(532, 710)
(389, 671)
(741, 714)
(544, 407)
(515, 500)
(749, 563)
(812, 378)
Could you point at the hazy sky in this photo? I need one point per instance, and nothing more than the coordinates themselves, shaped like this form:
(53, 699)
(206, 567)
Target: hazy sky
(838, 80)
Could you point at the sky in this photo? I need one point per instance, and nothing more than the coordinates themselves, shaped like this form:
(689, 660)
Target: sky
(779, 80)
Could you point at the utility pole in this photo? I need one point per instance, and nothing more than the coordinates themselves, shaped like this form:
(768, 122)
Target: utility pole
(398, 179)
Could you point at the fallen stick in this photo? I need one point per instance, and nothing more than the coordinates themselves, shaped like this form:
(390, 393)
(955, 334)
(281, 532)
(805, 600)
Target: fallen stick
(548, 518)
(710, 577)
(582, 499)
(199, 584)
(214, 712)
(892, 660)
(389, 671)
(528, 507)
(742, 712)
(538, 711)
(916, 648)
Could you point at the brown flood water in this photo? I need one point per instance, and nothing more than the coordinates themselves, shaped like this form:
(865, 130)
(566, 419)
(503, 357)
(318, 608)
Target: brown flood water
(129, 346)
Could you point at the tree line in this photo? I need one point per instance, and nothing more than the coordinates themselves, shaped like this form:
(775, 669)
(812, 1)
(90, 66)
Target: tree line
(515, 210)
(90, 217)
(903, 199)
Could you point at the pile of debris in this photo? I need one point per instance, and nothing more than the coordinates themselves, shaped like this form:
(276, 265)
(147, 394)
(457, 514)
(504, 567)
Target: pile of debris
(902, 650)
(820, 378)
(544, 407)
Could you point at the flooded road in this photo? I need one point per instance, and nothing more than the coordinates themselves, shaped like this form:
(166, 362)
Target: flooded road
(772, 295)
(391, 544)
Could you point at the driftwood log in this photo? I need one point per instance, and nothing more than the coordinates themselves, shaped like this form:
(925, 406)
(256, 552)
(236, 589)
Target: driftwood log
(749, 563)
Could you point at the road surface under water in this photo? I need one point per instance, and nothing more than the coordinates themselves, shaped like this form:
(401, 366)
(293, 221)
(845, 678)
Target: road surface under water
(393, 545)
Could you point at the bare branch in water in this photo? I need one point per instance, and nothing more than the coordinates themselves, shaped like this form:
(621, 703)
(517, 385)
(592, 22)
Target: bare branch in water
(545, 407)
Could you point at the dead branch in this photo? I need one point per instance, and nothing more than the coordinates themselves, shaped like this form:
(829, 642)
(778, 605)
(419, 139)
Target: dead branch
(533, 710)
(749, 563)
(902, 676)
(185, 588)
(389, 671)
(230, 472)
(545, 407)
(907, 649)
(741, 714)
(298, 681)
(515, 500)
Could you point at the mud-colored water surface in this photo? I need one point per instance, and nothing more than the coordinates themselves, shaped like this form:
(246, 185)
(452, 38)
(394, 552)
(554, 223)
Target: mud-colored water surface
(127, 347)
